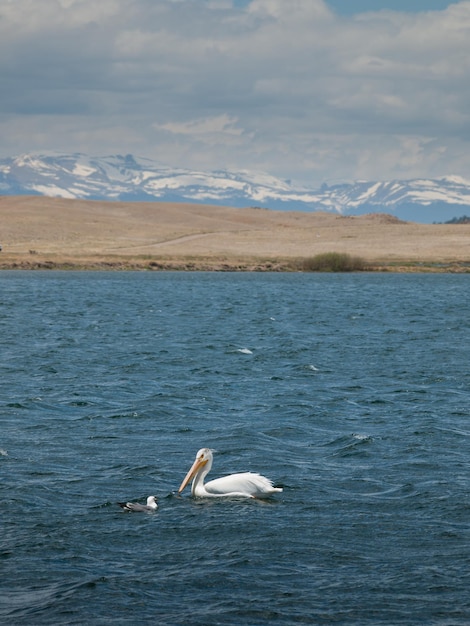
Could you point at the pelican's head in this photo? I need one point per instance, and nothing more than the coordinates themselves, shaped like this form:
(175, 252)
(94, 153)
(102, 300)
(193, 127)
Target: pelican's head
(202, 463)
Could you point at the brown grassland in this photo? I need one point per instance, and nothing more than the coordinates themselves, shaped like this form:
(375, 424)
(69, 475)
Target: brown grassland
(40, 233)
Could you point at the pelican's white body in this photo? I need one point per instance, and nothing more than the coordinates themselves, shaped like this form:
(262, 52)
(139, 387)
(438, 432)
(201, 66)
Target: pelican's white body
(245, 485)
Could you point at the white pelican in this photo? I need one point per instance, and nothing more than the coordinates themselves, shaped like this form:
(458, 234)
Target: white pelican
(134, 507)
(246, 485)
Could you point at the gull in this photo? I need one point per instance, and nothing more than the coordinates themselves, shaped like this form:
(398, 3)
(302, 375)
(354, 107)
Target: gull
(134, 507)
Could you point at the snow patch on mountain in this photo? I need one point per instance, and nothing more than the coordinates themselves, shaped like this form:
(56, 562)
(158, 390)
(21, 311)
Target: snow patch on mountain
(133, 178)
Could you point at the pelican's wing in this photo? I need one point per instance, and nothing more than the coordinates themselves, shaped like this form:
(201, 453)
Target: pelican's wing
(246, 484)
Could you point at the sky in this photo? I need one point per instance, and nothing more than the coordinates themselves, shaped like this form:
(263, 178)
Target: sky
(314, 91)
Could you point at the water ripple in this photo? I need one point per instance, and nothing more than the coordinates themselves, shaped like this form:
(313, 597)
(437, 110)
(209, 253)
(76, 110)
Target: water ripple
(351, 392)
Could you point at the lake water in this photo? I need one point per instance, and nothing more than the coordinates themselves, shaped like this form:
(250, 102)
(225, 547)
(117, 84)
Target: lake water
(352, 392)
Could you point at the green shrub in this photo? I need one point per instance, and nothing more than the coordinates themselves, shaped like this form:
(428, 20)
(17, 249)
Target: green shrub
(334, 262)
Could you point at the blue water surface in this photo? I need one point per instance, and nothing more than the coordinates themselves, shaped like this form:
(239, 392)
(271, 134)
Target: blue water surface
(352, 392)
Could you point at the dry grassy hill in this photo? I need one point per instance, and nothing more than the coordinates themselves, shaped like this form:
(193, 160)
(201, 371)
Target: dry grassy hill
(53, 232)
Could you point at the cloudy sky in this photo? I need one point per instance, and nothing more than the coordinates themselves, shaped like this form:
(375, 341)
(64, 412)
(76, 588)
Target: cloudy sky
(310, 90)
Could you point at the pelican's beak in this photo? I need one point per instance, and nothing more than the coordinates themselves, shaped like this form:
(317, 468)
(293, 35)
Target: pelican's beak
(198, 463)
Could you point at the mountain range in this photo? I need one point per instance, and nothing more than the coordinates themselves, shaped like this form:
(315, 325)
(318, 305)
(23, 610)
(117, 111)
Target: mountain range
(137, 179)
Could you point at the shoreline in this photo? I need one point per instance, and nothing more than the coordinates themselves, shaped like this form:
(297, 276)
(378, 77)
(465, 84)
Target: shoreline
(22, 262)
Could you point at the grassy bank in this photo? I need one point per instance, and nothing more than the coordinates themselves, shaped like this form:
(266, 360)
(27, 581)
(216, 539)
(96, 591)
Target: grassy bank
(329, 262)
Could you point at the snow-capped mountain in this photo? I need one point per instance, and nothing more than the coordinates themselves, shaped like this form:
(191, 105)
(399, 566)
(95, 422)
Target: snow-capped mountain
(129, 178)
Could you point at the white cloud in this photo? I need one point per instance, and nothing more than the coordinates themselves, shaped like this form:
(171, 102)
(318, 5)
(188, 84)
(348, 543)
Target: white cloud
(222, 124)
(289, 87)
